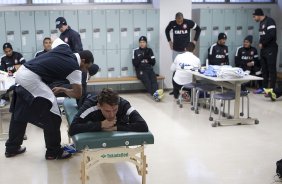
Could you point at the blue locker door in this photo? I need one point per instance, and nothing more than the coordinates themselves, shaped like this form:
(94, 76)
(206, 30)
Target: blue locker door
(100, 59)
(126, 66)
(153, 22)
(280, 58)
(139, 26)
(157, 56)
(99, 29)
(85, 28)
(2, 30)
(241, 26)
(126, 29)
(28, 55)
(205, 19)
(42, 27)
(229, 26)
(53, 15)
(253, 28)
(13, 34)
(113, 63)
(203, 54)
(27, 31)
(72, 19)
(217, 23)
(113, 29)
(231, 56)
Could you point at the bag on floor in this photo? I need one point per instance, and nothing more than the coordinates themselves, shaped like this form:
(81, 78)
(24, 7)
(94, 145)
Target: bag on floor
(279, 168)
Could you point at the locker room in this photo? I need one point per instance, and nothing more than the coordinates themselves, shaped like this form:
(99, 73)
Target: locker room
(187, 147)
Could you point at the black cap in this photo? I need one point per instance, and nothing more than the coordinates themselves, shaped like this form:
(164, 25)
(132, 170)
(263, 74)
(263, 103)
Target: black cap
(60, 21)
(143, 38)
(93, 69)
(258, 12)
(249, 38)
(222, 36)
(7, 45)
(87, 55)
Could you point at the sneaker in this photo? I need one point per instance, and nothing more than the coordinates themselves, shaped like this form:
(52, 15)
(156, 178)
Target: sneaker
(258, 91)
(3, 103)
(158, 95)
(69, 148)
(186, 97)
(267, 90)
(9, 154)
(60, 156)
(270, 93)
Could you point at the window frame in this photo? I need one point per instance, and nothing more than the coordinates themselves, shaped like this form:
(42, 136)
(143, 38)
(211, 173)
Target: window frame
(228, 2)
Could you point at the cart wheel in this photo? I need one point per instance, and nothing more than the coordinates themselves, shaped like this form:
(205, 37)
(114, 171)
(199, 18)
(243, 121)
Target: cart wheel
(241, 114)
(223, 114)
(256, 121)
(214, 124)
(239, 123)
(211, 118)
(197, 111)
(192, 108)
(180, 105)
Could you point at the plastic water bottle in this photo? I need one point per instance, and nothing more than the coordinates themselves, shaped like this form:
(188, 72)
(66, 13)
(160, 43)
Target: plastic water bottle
(207, 63)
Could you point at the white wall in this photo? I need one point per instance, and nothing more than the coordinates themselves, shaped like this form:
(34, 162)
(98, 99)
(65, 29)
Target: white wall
(168, 9)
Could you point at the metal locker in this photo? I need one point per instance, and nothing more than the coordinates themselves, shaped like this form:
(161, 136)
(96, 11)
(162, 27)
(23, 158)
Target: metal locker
(13, 34)
(253, 28)
(241, 26)
(203, 54)
(126, 66)
(2, 30)
(101, 60)
(229, 26)
(85, 28)
(99, 29)
(153, 19)
(279, 58)
(28, 55)
(231, 54)
(217, 23)
(157, 56)
(53, 15)
(112, 29)
(203, 18)
(113, 63)
(42, 28)
(72, 19)
(139, 26)
(27, 31)
(126, 29)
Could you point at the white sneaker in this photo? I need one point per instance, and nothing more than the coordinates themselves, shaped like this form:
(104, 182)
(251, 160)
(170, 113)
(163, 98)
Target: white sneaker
(3, 103)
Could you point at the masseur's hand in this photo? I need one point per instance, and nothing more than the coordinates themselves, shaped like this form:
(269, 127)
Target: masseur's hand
(58, 90)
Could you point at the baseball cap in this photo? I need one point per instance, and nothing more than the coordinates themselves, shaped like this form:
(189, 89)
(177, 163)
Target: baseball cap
(143, 38)
(258, 12)
(60, 21)
(7, 45)
(222, 36)
(249, 38)
(93, 69)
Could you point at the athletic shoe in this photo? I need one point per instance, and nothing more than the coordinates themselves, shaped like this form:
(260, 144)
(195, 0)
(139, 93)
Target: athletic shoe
(270, 93)
(186, 97)
(3, 103)
(70, 148)
(158, 95)
(267, 90)
(9, 154)
(258, 91)
(61, 155)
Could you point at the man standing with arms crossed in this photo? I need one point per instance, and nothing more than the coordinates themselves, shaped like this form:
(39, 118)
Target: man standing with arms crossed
(181, 34)
(269, 48)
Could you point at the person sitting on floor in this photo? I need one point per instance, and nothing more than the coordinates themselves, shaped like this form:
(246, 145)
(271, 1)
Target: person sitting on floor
(107, 112)
(143, 60)
(181, 65)
(247, 58)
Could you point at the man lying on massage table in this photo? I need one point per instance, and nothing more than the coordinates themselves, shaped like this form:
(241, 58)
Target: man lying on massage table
(107, 112)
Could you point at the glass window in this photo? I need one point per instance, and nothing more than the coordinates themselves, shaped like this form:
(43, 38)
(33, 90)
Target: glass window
(240, 1)
(215, 1)
(13, 2)
(75, 1)
(135, 1)
(107, 1)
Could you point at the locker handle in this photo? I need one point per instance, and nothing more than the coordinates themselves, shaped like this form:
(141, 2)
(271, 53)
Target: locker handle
(39, 32)
(82, 30)
(239, 27)
(215, 28)
(227, 28)
(25, 32)
(110, 30)
(137, 29)
(123, 29)
(96, 30)
(124, 68)
(250, 27)
(10, 32)
(111, 69)
(203, 28)
(54, 31)
(150, 29)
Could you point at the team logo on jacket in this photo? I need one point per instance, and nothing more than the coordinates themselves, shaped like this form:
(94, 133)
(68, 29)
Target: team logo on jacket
(184, 26)
(252, 52)
(224, 51)
(66, 39)
(263, 26)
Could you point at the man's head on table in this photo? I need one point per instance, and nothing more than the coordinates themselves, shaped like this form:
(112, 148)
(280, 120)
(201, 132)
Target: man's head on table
(108, 101)
(8, 49)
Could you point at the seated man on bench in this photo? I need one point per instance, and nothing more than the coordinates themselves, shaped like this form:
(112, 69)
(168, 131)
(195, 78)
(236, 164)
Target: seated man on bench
(107, 112)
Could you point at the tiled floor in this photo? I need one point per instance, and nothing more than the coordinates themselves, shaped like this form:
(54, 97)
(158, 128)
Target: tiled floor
(186, 150)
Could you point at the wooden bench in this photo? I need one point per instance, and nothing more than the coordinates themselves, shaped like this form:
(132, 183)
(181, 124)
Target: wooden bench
(108, 147)
(121, 80)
